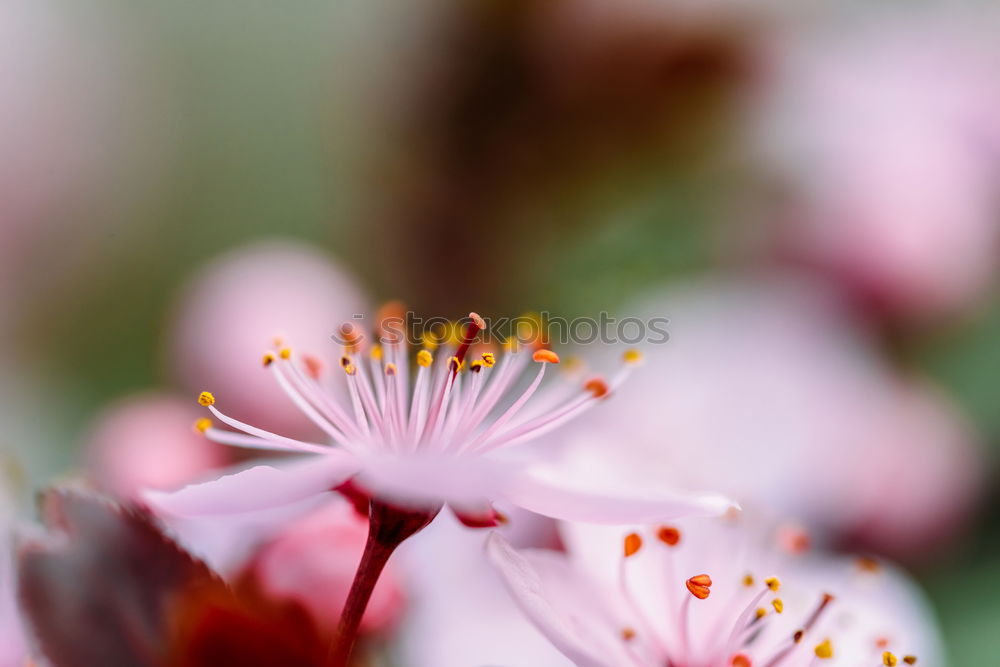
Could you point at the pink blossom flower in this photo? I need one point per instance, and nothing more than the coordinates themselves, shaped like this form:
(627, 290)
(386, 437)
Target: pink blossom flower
(770, 392)
(236, 306)
(713, 594)
(449, 439)
(890, 140)
(146, 441)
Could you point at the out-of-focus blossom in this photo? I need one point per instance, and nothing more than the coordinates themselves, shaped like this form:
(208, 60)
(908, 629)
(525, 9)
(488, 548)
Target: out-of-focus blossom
(313, 561)
(713, 593)
(768, 392)
(444, 442)
(887, 139)
(236, 306)
(104, 586)
(147, 441)
(927, 446)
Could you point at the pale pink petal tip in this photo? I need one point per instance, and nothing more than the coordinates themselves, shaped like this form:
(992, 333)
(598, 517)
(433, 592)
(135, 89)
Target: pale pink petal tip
(257, 488)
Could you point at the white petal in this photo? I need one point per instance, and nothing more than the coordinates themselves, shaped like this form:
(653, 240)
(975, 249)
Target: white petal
(560, 500)
(564, 607)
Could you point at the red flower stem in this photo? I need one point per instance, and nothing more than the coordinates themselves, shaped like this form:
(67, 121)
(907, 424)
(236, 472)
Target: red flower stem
(388, 527)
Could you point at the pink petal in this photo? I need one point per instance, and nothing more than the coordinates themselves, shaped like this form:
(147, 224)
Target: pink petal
(467, 483)
(258, 488)
(549, 597)
(561, 501)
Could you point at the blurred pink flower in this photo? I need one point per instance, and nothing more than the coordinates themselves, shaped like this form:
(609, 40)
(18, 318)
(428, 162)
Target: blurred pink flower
(237, 305)
(713, 592)
(926, 449)
(889, 138)
(313, 560)
(445, 443)
(148, 441)
(768, 392)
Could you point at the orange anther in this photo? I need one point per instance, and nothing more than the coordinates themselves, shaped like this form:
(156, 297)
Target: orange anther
(699, 586)
(632, 544)
(546, 356)
(596, 386)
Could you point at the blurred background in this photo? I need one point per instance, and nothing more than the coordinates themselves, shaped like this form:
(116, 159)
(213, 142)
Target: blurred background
(812, 195)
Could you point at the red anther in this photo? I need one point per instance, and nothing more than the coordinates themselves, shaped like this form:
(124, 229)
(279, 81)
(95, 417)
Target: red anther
(699, 586)
(597, 387)
(668, 535)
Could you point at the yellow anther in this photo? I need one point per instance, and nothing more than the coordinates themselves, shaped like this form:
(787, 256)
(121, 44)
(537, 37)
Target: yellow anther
(203, 424)
(824, 649)
(390, 369)
(285, 353)
(489, 359)
(889, 660)
(424, 358)
(773, 583)
(476, 366)
(632, 544)
(778, 605)
(350, 368)
(376, 352)
(454, 364)
(761, 612)
(632, 356)
(748, 580)
(206, 399)
(268, 359)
